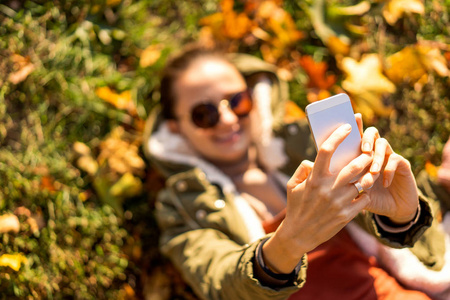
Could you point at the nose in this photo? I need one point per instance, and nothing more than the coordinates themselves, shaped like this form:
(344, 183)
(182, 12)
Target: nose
(227, 116)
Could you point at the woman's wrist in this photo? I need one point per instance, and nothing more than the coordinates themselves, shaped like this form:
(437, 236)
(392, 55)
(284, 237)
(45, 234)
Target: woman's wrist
(389, 225)
(280, 253)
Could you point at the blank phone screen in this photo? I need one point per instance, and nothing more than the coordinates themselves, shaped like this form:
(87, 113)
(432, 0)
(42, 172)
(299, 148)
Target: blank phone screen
(324, 121)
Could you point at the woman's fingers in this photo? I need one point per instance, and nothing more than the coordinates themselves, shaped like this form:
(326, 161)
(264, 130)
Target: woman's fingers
(327, 149)
(382, 149)
(355, 168)
(359, 122)
(300, 174)
(368, 139)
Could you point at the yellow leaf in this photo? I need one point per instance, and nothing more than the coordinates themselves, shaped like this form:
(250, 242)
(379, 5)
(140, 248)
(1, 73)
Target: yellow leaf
(413, 63)
(150, 55)
(127, 186)
(367, 84)
(395, 9)
(14, 261)
(8, 223)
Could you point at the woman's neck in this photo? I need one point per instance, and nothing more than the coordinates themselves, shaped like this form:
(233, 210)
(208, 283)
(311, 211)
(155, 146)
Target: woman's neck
(238, 168)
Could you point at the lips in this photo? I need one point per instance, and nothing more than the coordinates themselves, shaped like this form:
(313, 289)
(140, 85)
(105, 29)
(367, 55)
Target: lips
(227, 138)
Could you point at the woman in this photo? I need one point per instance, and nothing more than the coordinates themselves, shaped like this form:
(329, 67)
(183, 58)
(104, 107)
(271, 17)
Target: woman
(227, 158)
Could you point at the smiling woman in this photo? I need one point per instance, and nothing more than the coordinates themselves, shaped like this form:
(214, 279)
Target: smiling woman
(243, 204)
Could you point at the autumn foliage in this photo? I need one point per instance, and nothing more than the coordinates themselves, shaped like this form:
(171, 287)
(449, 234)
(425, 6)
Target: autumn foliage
(79, 78)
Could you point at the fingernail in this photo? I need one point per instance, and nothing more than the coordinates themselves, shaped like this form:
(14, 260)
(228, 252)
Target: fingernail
(375, 168)
(366, 147)
(386, 182)
(348, 127)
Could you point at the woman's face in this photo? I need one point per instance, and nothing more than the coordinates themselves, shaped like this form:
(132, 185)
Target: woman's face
(212, 80)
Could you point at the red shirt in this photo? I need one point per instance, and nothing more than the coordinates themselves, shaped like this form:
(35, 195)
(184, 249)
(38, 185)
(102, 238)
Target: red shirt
(338, 269)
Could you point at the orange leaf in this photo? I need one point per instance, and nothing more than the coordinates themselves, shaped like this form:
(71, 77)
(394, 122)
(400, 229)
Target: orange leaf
(431, 169)
(337, 45)
(293, 112)
(23, 68)
(317, 73)
(47, 183)
(121, 101)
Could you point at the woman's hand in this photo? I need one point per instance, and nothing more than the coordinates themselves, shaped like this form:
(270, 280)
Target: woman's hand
(394, 193)
(319, 204)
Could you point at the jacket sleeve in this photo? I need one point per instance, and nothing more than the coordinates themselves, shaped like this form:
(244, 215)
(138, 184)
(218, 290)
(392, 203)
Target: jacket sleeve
(214, 265)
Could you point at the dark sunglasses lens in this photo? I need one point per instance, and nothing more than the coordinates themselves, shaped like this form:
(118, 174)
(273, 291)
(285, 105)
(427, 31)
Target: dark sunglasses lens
(241, 104)
(205, 115)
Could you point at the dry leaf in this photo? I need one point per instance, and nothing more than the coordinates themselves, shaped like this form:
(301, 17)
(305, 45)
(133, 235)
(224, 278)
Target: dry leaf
(293, 112)
(338, 45)
(281, 30)
(9, 223)
(227, 23)
(127, 186)
(367, 85)
(81, 149)
(48, 183)
(121, 101)
(14, 261)
(23, 68)
(88, 164)
(395, 9)
(121, 153)
(316, 72)
(413, 63)
(431, 169)
(150, 55)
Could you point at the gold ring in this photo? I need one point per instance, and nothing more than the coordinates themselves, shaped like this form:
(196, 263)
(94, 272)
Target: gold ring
(359, 187)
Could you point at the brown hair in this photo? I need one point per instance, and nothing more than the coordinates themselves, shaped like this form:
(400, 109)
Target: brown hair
(175, 68)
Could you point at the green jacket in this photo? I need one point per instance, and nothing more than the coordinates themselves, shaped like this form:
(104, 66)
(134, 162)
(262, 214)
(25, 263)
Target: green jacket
(205, 228)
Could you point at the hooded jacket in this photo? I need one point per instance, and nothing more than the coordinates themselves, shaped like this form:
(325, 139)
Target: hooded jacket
(209, 231)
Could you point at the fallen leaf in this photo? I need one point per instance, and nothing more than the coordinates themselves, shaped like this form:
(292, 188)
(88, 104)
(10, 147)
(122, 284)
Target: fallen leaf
(395, 9)
(23, 68)
(121, 152)
(127, 186)
(9, 223)
(431, 169)
(150, 55)
(293, 112)
(367, 85)
(48, 183)
(316, 72)
(227, 23)
(14, 261)
(88, 164)
(413, 63)
(121, 101)
(81, 149)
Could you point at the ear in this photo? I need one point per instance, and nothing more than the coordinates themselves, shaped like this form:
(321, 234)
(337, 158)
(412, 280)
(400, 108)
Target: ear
(173, 126)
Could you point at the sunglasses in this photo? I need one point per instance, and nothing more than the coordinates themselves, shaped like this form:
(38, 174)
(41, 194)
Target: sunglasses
(206, 115)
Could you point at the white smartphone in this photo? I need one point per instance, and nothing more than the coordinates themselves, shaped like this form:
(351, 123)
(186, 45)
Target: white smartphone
(324, 117)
